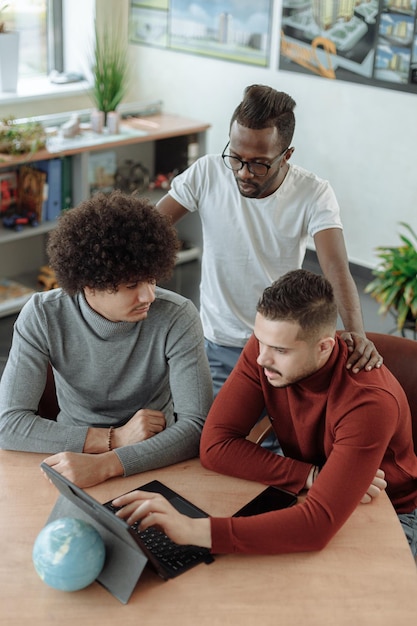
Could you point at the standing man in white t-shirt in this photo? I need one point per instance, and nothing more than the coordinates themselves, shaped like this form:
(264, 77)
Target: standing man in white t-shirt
(257, 211)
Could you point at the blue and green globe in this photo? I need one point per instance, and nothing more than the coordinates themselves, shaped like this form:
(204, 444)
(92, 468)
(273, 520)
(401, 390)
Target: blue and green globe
(68, 554)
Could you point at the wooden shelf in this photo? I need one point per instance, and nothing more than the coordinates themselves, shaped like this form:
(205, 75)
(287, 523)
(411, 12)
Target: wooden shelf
(148, 129)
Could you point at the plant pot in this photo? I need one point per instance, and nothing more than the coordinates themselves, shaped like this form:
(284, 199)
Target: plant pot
(9, 61)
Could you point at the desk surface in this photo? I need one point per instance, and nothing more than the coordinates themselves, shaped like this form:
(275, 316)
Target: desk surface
(365, 576)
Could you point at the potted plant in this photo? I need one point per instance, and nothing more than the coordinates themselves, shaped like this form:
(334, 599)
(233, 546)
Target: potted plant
(21, 138)
(395, 282)
(9, 55)
(110, 71)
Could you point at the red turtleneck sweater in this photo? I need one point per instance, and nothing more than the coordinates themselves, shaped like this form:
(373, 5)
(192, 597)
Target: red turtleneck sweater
(348, 424)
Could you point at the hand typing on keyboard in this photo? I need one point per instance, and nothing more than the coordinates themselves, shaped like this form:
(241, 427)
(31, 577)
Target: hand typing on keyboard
(152, 509)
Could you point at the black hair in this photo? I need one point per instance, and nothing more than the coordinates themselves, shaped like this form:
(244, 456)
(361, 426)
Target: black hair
(112, 239)
(264, 107)
(301, 297)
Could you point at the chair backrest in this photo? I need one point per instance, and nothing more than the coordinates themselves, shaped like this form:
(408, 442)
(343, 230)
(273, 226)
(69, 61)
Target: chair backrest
(400, 356)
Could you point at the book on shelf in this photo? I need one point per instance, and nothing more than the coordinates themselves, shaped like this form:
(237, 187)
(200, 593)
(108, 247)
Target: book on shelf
(101, 171)
(53, 171)
(66, 183)
(13, 295)
(32, 191)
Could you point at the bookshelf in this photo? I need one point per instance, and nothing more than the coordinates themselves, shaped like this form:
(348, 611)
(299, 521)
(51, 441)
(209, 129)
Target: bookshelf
(160, 143)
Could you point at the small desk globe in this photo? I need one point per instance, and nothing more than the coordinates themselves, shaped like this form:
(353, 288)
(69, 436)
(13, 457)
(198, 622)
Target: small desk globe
(68, 554)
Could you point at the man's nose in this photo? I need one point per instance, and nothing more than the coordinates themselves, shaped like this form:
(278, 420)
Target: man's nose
(244, 172)
(146, 292)
(264, 357)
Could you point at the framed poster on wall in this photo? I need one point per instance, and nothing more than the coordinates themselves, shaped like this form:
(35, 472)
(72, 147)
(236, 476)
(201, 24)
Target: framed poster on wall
(371, 42)
(230, 30)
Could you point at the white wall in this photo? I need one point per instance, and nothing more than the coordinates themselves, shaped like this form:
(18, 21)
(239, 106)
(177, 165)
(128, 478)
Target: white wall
(363, 139)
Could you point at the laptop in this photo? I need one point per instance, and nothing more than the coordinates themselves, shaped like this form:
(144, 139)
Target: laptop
(128, 549)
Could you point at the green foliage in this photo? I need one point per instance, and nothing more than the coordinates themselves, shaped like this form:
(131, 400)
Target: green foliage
(110, 71)
(22, 138)
(395, 282)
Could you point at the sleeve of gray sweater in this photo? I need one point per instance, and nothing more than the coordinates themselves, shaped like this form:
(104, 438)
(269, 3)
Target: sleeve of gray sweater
(104, 373)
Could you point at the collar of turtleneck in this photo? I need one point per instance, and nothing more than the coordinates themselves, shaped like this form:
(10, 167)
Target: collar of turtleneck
(103, 327)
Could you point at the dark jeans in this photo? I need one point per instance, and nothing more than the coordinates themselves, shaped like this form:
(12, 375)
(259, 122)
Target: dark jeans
(409, 524)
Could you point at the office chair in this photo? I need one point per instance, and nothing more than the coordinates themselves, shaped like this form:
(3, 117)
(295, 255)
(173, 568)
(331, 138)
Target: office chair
(400, 356)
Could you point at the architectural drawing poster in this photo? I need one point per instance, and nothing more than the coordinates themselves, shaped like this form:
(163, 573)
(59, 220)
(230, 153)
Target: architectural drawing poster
(230, 30)
(372, 42)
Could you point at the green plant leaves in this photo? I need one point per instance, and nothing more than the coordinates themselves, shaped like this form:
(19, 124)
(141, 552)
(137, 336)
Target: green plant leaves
(110, 71)
(395, 282)
(28, 137)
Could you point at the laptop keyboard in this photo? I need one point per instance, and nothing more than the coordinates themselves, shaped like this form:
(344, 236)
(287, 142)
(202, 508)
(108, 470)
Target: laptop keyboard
(174, 558)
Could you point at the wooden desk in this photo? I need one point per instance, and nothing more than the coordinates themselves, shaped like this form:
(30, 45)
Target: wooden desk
(365, 576)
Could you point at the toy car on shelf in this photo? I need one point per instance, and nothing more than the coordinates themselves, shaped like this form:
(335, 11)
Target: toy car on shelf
(16, 221)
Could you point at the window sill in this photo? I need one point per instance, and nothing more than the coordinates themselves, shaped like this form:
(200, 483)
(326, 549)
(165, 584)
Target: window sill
(38, 88)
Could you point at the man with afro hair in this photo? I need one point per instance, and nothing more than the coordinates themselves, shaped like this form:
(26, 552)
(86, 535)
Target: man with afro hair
(132, 380)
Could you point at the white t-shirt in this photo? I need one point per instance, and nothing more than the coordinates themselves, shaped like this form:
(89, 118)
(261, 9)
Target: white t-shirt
(248, 243)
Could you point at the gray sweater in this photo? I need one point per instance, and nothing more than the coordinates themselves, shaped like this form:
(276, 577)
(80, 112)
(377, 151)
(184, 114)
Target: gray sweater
(104, 373)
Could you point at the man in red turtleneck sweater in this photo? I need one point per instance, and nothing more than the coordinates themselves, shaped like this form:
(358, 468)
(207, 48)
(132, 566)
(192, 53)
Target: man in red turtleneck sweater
(335, 428)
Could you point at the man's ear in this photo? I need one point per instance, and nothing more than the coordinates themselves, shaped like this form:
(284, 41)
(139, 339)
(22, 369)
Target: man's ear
(326, 345)
(289, 153)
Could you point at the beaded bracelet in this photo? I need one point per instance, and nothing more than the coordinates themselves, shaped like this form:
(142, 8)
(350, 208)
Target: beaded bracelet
(109, 438)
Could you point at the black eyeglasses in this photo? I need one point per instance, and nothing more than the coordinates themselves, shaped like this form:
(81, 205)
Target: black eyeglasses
(255, 168)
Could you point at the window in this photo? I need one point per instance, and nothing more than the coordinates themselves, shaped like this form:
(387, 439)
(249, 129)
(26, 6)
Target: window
(52, 37)
(39, 23)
